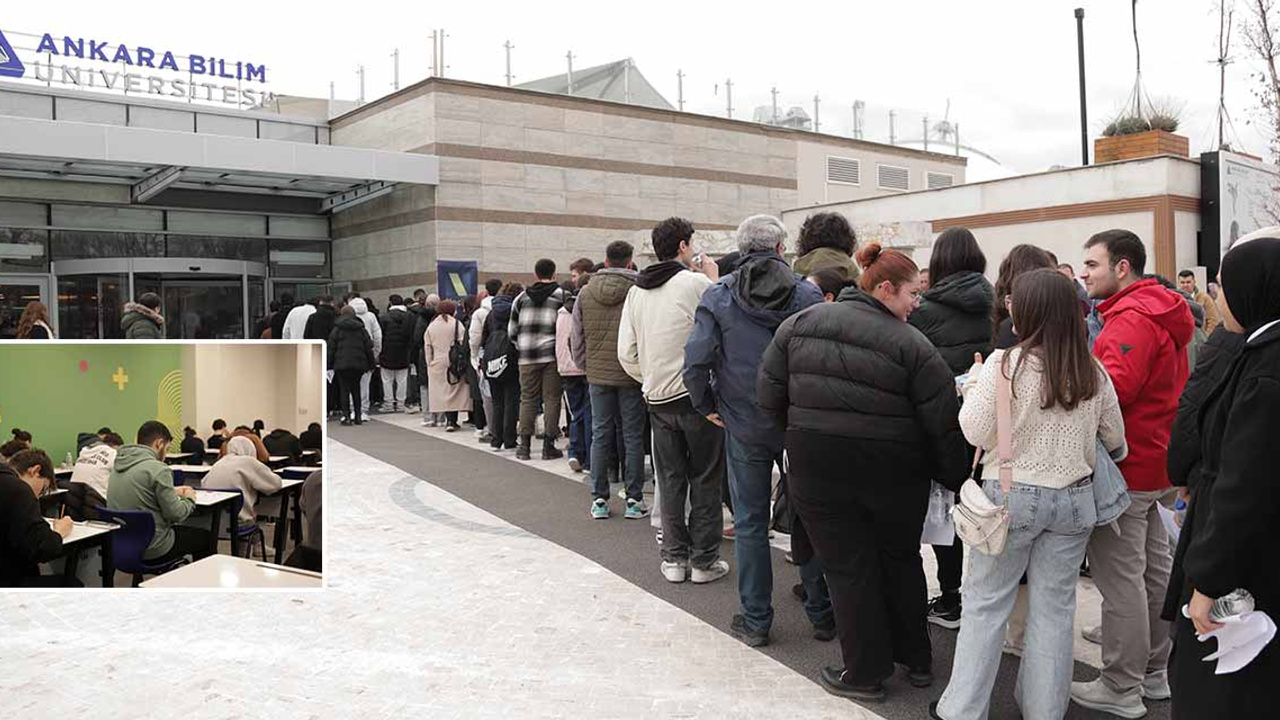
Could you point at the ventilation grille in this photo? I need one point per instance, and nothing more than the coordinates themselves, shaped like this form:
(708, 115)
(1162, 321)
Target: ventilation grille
(939, 180)
(892, 177)
(844, 170)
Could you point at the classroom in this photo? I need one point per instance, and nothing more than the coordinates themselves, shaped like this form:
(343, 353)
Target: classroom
(161, 465)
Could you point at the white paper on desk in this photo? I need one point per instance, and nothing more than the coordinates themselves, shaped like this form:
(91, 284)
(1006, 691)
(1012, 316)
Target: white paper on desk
(329, 376)
(1170, 522)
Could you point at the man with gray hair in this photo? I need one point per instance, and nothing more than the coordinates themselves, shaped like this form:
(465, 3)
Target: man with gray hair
(733, 325)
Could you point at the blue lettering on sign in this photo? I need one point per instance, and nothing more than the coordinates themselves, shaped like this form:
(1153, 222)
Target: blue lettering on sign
(122, 55)
(47, 45)
(96, 51)
(10, 65)
(168, 63)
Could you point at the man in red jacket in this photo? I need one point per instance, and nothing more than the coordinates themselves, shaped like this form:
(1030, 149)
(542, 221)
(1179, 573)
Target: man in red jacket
(1143, 343)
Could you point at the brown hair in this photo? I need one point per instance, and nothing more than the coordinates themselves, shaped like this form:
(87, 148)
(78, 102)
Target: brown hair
(27, 459)
(880, 265)
(1047, 313)
(1022, 258)
(33, 313)
(446, 308)
(512, 289)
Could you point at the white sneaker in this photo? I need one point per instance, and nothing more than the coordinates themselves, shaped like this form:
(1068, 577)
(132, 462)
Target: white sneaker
(718, 569)
(1097, 696)
(676, 572)
(1155, 686)
(1092, 634)
(428, 423)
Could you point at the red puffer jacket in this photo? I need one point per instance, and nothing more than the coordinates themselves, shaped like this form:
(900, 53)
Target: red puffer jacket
(1143, 344)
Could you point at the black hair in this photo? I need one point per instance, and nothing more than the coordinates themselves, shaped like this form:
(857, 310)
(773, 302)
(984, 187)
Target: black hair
(1186, 273)
(324, 300)
(11, 448)
(275, 306)
(286, 299)
(21, 435)
(955, 250)
(419, 293)
(493, 285)
(104, 430)
(113, 439)
(619, 253)
(668, 235)
(1122, 245)
(395, 300)
(188, 431)
(829, 280)
(153, 430)
(219, 424)
(259, 425)
(569, 286)
(313, 426)
(544, 269)
(27, 459)
(826, 229)
(151, 301)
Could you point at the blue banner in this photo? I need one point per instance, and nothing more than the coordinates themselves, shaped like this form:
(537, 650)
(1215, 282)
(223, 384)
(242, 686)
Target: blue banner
(457, 279)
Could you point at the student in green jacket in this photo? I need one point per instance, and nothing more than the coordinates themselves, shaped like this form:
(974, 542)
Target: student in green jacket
(140, 480)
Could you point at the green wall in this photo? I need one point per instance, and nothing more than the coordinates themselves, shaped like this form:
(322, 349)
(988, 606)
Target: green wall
(55, 391)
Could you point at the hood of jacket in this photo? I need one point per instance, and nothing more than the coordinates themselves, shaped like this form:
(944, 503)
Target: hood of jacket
(359, 305)
(139, 312)
(1164, 307)
(131, 456)
(610, 286)
(501, 309)
(764, 287)
(278, 434)
(541, 290)
(349, 322)
(657, 274)
(856, 295)
(487, 303)
(827, 257)
(967, 291)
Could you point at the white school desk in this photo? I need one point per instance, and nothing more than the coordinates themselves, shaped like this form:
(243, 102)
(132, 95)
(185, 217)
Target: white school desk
(225, 571)
(212, 501)
(83, 537)
(289, 488)
(178, 457)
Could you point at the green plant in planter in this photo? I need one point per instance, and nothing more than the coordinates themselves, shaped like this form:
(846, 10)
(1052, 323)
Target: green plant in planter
(1166, 117)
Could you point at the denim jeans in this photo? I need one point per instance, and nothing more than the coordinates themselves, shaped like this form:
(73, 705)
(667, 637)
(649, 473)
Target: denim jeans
(1048, 532)
(750, 486)
(575, 392)
(612, 407)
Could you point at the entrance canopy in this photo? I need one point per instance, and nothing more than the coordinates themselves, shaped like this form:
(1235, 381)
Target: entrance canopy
(152, 161)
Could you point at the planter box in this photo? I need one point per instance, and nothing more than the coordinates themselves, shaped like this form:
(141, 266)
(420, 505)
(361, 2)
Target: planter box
(1140, 145)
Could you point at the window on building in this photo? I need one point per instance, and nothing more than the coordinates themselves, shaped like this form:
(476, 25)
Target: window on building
(24, 250)
(892, 177)
(939, 180)
(843, 170)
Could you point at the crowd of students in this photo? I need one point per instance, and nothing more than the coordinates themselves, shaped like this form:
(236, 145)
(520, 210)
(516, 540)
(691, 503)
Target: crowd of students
(112, 475)
(877, 389)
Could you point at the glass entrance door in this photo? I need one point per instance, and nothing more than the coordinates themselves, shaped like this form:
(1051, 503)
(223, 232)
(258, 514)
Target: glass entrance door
(15, 292)
(197, 307)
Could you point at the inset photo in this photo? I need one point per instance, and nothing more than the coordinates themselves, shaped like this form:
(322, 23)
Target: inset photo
(161, 465)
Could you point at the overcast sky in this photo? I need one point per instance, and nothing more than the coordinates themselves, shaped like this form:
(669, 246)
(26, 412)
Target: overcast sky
(1008, 68)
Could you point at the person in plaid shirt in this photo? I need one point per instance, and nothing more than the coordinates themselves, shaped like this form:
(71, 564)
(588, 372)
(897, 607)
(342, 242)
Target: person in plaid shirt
(532, 330)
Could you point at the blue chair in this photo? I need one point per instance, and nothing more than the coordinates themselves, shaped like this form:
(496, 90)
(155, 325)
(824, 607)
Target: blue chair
(244, 532)
(178, 478)
(137, 528)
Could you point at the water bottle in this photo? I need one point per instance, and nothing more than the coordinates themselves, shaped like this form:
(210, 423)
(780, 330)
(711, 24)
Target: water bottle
(1237, 602)
(68, 462)
(1180, 512)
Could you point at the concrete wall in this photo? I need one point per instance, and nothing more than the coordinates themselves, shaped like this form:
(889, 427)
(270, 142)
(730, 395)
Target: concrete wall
(811, 168)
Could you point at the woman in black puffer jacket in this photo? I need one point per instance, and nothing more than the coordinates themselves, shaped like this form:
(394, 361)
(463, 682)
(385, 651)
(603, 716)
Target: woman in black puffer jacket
(955, 314)
(350, 356)
(857, 388)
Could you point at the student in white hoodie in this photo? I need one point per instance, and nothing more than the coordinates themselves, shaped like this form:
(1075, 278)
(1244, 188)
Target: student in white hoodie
(241, 470)
(295, 323)
(475, 332)
(375, 333)
(688, 449)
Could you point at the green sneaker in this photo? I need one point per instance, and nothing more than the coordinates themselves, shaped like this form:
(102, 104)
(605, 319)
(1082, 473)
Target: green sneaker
(600, 509)
(636, 510)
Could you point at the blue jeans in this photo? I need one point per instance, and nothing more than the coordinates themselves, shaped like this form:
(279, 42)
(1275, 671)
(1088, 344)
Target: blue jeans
(580, 429)
(1048, 532)
(611, 407)
(750, 485)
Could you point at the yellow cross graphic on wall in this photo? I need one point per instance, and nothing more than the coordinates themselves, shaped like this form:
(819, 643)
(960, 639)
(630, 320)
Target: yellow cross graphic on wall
(120, 379)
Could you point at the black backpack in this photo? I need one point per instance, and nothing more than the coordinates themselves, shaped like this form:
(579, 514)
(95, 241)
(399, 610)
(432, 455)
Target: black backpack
(459, 357)
(498, 353)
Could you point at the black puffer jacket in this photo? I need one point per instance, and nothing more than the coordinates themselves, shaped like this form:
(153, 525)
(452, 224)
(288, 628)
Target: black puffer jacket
(320, 324)
(1186, 467)
(852, 369)
(350, 347)
(397, 338)
(955, 315)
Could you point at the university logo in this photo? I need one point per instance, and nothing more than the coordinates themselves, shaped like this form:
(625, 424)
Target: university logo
(10, 65)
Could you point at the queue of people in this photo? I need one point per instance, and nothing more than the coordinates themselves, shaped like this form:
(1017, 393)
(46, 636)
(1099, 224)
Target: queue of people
(1054, 395)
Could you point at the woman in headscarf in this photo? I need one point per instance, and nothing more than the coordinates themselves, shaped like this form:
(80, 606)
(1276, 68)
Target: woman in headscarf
(244, 432)
(1228, 539)
(240, 469)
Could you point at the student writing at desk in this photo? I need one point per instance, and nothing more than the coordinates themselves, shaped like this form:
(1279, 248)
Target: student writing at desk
(26, 539)
(240, 470)
(141, 481)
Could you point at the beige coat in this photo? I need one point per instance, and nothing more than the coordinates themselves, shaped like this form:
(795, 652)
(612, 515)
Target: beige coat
(436, 341)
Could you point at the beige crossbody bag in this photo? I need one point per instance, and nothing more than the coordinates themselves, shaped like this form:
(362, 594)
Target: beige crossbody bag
(980, 523)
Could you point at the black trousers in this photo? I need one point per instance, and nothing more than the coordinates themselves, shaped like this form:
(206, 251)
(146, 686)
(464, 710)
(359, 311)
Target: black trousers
(689, 453)
(349, 392)
(187, 540)
(506, 409)
(864, 523)
(950, 566)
